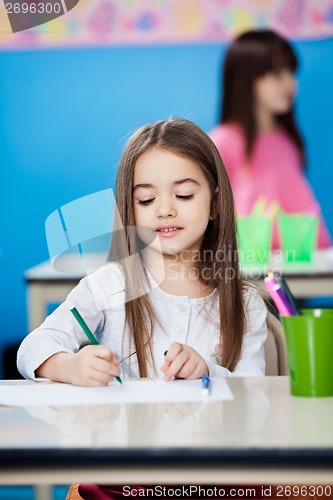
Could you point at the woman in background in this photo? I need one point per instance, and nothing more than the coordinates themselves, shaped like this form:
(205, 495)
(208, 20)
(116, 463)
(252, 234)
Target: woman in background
(258, 138)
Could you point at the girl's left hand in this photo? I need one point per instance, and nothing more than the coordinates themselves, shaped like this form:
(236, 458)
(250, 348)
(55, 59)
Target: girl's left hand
(182, 361)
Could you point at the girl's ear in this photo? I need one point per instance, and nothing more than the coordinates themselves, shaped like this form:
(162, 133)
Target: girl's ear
(213, 206)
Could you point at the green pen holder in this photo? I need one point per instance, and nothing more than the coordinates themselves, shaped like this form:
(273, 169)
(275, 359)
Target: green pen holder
(298, 236)
(309, 339)
(254, 237)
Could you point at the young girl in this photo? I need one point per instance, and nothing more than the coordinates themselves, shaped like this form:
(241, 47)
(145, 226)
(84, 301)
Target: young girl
(257, 138)
(173, 188)
(172, 284)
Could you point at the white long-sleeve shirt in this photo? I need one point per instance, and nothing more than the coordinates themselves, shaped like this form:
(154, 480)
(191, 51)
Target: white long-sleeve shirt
(99, 298)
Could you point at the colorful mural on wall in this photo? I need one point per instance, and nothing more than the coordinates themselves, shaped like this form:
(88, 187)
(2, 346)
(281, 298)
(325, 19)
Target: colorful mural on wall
(133, 22)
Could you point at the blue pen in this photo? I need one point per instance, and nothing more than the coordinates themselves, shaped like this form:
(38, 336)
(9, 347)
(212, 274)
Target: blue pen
(205, 385)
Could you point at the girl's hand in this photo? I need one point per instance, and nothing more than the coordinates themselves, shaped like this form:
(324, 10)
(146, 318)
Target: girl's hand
(182, 361)
(92, 366)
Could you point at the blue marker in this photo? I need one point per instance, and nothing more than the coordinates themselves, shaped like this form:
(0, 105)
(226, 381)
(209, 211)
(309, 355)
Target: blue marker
(205, 385)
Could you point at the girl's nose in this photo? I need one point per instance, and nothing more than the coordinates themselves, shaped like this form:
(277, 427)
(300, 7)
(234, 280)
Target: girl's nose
(166, 209)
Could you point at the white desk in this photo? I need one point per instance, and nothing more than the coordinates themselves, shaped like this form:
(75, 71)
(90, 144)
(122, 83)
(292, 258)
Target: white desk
(45, 284)
(263, 436)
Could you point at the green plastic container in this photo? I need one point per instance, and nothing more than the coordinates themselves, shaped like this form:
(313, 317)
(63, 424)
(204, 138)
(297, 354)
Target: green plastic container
(310, 352)
(298, 236)
(254, 239)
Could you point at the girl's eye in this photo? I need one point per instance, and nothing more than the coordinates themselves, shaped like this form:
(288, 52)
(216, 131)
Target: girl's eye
(146, 202)
(179, 197)
(188, 197)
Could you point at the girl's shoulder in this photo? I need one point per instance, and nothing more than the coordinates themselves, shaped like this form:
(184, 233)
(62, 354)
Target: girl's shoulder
(108, 270)
(252, 296)
(107, 284)
(230, 142)
(227, 133)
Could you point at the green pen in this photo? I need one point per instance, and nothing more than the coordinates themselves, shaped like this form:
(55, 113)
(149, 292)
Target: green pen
(87, 331)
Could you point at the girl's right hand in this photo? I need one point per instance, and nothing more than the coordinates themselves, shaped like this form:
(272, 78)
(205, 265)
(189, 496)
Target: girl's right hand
(92, 366)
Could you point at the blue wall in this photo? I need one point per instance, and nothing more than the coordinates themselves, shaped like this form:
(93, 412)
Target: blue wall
(64, 117)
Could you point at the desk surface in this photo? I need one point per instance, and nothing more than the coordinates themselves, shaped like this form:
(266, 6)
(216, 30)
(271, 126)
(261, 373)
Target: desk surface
(264, 432)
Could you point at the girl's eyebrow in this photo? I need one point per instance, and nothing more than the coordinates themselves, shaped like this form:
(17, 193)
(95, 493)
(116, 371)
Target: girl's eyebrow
(176, 183)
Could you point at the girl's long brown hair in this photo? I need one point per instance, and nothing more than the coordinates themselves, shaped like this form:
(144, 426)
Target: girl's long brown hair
(250, 56)
(220, 270)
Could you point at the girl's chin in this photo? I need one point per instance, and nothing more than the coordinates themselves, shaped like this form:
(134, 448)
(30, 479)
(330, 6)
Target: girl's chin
(165, 250)
(174, 253)
(284, 108)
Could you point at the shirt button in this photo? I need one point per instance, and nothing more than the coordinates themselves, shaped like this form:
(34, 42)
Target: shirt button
(178, 329)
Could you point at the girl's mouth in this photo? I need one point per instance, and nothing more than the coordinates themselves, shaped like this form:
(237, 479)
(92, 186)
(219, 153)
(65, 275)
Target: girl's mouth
(168, 231)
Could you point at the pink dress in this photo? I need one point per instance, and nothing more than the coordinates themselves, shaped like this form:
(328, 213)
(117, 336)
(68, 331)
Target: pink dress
(275, 173)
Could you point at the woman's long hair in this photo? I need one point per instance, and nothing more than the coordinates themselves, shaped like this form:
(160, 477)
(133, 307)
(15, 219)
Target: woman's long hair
(220, 270)
(249, 57)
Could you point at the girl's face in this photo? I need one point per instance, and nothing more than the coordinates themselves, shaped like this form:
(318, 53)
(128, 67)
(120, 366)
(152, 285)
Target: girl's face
(275, 91)
(172, 198)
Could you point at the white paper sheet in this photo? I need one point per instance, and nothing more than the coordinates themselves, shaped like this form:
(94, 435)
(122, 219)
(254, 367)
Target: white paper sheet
(134, 391)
